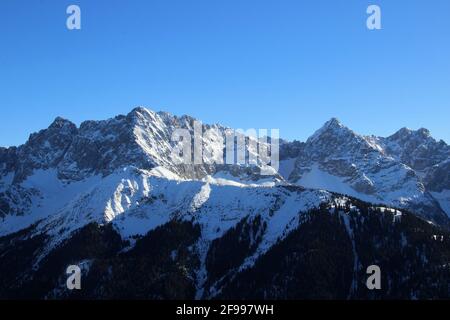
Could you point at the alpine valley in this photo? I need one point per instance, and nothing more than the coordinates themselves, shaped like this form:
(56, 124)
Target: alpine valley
(109, 197)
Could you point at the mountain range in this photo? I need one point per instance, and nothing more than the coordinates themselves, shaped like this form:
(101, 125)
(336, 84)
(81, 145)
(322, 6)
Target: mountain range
(109, 196)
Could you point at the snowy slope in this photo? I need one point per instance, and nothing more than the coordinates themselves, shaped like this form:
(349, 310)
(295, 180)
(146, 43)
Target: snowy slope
(137, 201)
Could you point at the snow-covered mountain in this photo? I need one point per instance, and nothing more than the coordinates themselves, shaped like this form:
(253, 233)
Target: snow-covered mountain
(67, 156)
(121, 174)
(408, 169)
(142, 138)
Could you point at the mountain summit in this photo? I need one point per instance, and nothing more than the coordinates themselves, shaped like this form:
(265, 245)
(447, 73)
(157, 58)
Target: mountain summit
(406, 170)
(399, 170)
(108, 194)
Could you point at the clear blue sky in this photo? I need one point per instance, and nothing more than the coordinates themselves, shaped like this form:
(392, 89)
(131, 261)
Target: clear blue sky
(245, 63)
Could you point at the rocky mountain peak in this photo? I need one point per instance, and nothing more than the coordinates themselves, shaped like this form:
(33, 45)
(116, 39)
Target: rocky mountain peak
(60, 123)
(416, 148)
(334, 122)
(335, 139)
(141, 112)
(424, 132)
(331, 128)
(405, 134)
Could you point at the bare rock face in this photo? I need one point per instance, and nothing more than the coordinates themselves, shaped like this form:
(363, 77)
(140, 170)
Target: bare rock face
(417, 149)
(44, 149)
(142, 139)
(438, 177)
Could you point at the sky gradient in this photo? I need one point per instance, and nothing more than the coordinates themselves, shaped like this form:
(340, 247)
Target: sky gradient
(287, 64)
